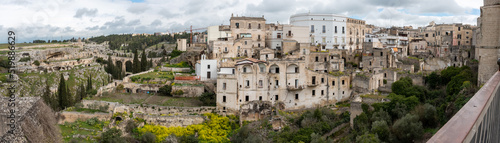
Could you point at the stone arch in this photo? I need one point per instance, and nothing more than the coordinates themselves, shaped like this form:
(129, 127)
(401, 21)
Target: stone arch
(128, 66)
(292, 68)
(274, 69)
(118, 118)
(119, 64)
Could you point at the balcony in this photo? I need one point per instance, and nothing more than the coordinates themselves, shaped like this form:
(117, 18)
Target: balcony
(294, 88)
(311, 84)
(477, 121)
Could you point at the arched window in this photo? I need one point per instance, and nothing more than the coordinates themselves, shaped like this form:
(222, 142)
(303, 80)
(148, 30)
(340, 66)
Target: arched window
(274, 69)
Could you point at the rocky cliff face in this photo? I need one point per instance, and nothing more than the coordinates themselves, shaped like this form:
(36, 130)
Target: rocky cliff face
(34, 121)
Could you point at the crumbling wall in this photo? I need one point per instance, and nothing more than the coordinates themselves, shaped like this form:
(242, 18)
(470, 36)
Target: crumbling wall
(255, 110)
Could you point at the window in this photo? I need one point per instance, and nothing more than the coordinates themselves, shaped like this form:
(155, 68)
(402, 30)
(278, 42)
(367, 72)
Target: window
(343, 30)
(275, 97)
(296, 69)
(277, 70)
(247, 98)
(381, 53)
(223, 98)
(258, 37)
(258, 26)
(313, 92)
(335, 31)
(260, 83)
(322, 80)
(225, 49)
(237, 25)
(324, 29)
(260, 98)
(323, 40)
(278, 35)
(312, 28)
(317, 59)
(223, 86)
(246, 43)
(249, 26)
(296, 96)
(208, 66)
(244, 69)
(322, 92)
(333, 83)
(277, 82)
(458, 28)
(233, 71)
(247, 83)
(342, 82)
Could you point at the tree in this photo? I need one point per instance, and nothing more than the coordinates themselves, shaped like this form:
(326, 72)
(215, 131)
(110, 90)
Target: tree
(427, 115)
(208, 99)
(62, 93)
(399, 87)
(150, 64)
(165, 90)
(367, 138)
(381, 129)
(408, 128)
(144, 61)
(48, 99)
(81, 93)
(381, 115)
(113, 135)
(433, 80)
(162, 46)
(361, 122)
(136, 63)
(89, 83)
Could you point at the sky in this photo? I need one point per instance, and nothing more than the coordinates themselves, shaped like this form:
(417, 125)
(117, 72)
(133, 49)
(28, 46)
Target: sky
(63, 19)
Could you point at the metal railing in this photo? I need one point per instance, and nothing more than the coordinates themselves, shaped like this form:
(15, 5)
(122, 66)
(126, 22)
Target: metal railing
(478, 120)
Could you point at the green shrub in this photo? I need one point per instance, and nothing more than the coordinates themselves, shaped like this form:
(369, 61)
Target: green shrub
(25, 59)
(37, 63)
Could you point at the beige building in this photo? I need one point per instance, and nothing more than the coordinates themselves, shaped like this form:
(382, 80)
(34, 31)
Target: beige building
(182, 44)
(356, 30)
(279, 81)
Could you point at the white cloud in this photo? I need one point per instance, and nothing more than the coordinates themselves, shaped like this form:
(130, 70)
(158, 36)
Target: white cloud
(67, 18)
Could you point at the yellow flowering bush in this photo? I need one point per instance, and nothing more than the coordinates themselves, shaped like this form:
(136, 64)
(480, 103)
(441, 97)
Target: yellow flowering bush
(215, 130)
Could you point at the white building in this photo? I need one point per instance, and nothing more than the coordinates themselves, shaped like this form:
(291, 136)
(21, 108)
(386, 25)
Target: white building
(206, 69)
(331, 31)
(326, 30)
(216, 32)
(182, 44)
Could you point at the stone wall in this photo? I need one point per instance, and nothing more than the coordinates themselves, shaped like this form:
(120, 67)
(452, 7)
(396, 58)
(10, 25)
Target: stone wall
(74, 116)
(417, 79)
(189, 91)
(175, 69)
(255, 110)
(150, 109)
(171, 121)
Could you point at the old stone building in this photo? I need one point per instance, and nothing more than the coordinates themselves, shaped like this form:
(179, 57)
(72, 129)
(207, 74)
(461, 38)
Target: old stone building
(279, 80)
(488, 46)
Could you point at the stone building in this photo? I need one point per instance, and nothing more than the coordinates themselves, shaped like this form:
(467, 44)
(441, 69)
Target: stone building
(487, 48)
(279, 81)
(182, 44)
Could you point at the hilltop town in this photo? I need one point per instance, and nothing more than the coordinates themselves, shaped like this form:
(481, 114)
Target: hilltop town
(259, 81)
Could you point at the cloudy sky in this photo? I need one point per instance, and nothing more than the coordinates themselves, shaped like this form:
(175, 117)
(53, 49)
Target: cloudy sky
(53, 19)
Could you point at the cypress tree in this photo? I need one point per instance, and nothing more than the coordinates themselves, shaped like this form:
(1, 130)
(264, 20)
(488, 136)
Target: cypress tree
(144, 61)
(89, 84)
(62, 94)
(46, 96)
(136, 63)
(83, 94)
